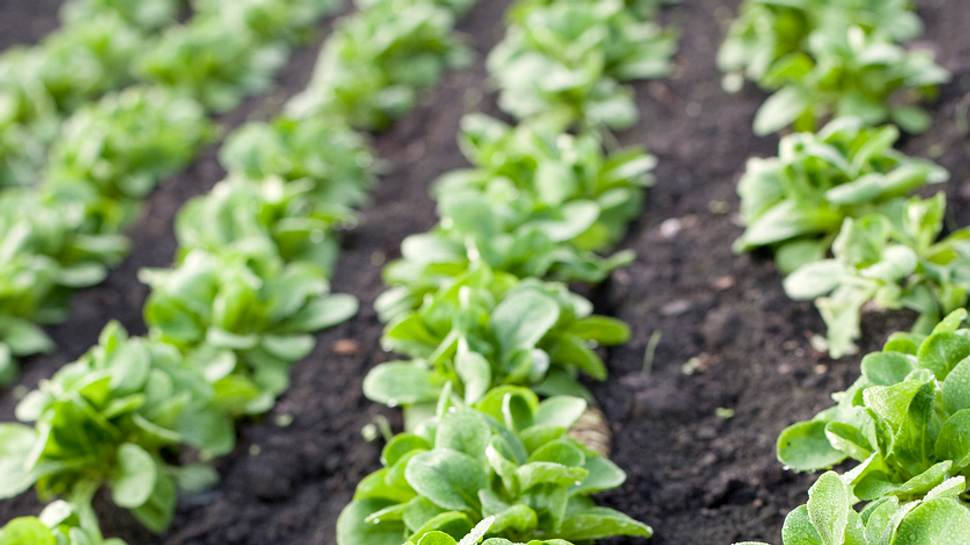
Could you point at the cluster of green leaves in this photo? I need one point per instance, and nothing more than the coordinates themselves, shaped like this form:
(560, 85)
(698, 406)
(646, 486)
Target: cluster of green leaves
(845, 192)
(41, 85)
(43, 257)
(472, 305)
(243, 320)
(940, 517)
(831, 58)
(488, 329)
(569, 60)
(906, 422)
(796, 202)
(225, 322)
(537, 203)
(109, 418)
(66, 233)
(111, 155)
(99, 163)
(508, 457)
(375, 65)
(60, 523)
(892, 259)
(225, 54)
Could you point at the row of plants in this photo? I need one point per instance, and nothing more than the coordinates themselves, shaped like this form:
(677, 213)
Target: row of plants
(844, 214)
(141, 417)
(78, 167)
(840, 207)
(493, 342)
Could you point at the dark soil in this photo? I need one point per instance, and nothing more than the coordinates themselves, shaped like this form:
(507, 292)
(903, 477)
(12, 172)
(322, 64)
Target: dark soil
(698, 478)
(27, 21)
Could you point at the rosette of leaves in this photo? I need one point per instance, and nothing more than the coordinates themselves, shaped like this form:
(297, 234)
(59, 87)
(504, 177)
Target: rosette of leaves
(569, 60)
(796, 202)
(83, 61)
(831, 58)
(508, 457)
(243, 320)
(537, 203)
(906, 421)
(111, 154)
(339, 173)
(146, 15)
(940, 517)
(60, 523)
(488, 329)
(43, 257)
(270, 20)
(891, 259)
(213, 62)
(28, 118)
(378, 60)
(39, 85)
(255, 219)
(108, 420)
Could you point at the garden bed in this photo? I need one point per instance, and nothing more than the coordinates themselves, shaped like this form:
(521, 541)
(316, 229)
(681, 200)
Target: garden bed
(694, 425)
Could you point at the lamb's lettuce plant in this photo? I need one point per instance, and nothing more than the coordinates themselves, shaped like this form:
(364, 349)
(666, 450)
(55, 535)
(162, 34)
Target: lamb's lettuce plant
(905, 424)
(107, 420)
(832, 58)
(374, 66)
(796, 202)
(212, 62)
(339, 174)
(829, 517)
(244, 320)
(269, 20)
(905, 419)
(537, 203)
(112, 154)
(488, 329)
(43, 257)
(507, 456)
(242, 219)
(146, 15)
(569, 61)
(890, 259)
(60, 523)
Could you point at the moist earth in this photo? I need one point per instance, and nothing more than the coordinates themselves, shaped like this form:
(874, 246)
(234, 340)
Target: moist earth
(719, 363)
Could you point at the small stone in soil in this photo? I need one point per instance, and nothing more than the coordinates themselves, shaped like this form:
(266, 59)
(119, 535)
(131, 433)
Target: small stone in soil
(346, 347)
(675, 308)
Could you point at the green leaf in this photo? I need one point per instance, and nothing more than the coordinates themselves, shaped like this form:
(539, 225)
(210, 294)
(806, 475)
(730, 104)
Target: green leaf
(828, 508)
(135, 476)
(562, 411)
(474, 371)
(936, 522)
(805, 447)
(448, 478)
(780, 110)
(523, 318)
(463, 430)
(887, 368)
(26, 531)
(942, 352)
(353, 530)
(799, 530)
(16, 443)
(599, 523)
(953, 442)
(956, 387)
(399, 383)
